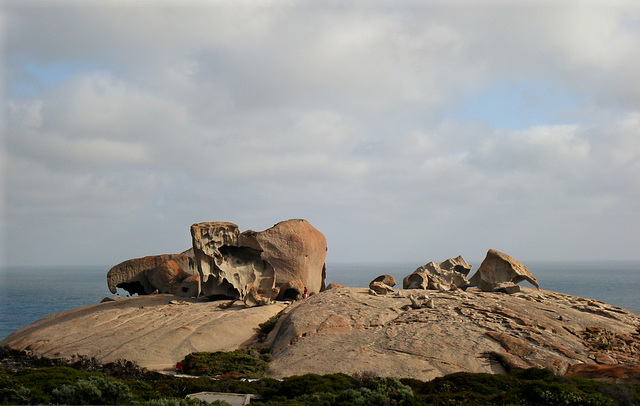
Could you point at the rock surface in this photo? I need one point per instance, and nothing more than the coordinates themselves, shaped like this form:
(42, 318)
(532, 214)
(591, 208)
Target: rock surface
(500, 272)
(470, 331)
(231, 263)
(347, 330)
(154, 331)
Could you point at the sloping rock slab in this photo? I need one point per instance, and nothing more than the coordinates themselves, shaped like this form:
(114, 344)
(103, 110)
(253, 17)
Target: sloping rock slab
(154, 331)
(347, 330)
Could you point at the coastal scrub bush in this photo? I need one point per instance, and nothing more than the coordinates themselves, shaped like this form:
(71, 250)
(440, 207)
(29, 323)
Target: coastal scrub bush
(183, 402)
(241, 363)
(299, 385)
(267, 327)
(94, 390)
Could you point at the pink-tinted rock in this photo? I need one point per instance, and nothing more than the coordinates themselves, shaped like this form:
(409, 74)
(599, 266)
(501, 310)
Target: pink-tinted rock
(615, 373)
(133, 275)
(189, 287)
(166, 277)
(333, 285)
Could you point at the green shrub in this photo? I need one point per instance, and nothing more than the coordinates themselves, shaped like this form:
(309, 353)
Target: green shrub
(183, 402)
(93, 391)
(241, 363)
(295, 386)
(267, 326)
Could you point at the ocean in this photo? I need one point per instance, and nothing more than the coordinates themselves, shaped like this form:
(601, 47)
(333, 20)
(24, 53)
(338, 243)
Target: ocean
(28, 293)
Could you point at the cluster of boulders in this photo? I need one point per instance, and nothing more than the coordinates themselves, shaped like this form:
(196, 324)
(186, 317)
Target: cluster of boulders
(497, 273)
(286, 261)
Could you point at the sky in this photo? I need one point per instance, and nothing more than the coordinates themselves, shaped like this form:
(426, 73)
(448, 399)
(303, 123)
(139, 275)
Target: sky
(405, 131)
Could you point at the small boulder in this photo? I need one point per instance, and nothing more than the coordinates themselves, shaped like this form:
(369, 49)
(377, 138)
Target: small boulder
(388, 280)
(254, 298)
(500, 273)
(380, 288)
(417, 280)
(333, 285)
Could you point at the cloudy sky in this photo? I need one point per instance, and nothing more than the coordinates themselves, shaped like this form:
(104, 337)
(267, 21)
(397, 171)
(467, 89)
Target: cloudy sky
(404, 131)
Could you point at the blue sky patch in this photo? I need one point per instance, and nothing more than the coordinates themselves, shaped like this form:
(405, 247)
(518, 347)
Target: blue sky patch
(518, 104)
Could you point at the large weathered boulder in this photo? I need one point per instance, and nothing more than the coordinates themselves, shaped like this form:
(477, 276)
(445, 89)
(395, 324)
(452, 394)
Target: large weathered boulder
(500, 273)
(230, 263)
(443, 276)
(145, 275)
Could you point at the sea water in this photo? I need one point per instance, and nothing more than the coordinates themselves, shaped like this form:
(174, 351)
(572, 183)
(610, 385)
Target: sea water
(28, 294)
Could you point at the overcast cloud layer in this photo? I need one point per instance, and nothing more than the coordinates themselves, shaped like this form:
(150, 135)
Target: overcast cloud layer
(407, 132)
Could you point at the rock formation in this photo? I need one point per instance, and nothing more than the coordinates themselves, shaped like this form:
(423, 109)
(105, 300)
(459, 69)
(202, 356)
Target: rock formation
(501, 273)
(280, 262)
(230, 263)
(347, 330)
(143, 276)
(155, 331)
(443, 276)
(449, 332)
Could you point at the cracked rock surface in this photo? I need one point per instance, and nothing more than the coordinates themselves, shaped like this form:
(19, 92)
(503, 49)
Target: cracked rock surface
(470, 331)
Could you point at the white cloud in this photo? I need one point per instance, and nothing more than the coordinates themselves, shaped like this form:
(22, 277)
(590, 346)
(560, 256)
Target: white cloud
(139, 120)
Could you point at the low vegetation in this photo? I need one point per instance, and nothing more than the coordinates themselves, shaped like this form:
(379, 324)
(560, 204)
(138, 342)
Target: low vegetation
(85, 383)
(241, 363)
(267, 327)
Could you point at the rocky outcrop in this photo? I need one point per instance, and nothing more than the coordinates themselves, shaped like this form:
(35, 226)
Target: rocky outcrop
(144, 276)
(409, 334)
(446, 332)
(231, 263)
(155, 331)
(444, 276)
(501, 273)
(223, 262)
